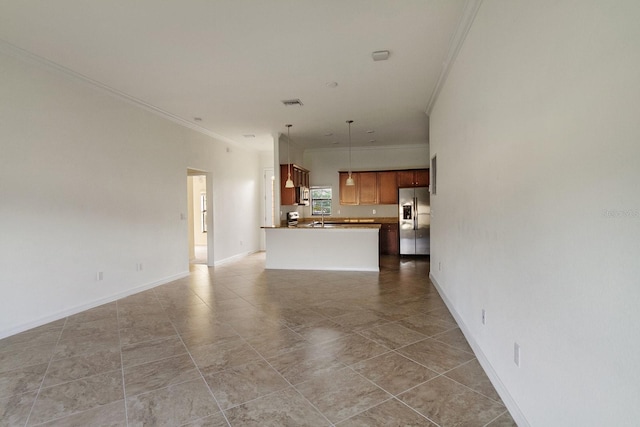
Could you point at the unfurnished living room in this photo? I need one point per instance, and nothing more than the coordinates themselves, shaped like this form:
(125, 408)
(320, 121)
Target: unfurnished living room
(202, 219)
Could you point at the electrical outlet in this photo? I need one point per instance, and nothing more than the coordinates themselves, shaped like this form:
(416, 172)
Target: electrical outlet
(516, 354)
(139, 266)
(484, 317)
(374, 211)
(99, 275)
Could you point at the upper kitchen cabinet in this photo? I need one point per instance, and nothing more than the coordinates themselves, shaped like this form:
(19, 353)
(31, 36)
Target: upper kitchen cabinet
(300, 178)
(387, 188)
(364, 192)
(379, 187)
(413, 178)
(349, 194)
(368, 188)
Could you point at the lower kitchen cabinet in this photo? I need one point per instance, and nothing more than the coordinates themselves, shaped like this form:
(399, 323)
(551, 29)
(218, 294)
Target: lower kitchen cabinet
(389, 239)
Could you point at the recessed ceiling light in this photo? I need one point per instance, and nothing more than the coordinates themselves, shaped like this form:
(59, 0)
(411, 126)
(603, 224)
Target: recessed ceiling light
(197, 119)
(332, 84)
(371, 131)
(249, 135)
(372, 140)
(336, 142)
(380, 55)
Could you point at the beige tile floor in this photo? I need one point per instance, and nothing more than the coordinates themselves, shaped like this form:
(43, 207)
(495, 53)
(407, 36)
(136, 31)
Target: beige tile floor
(243, 346)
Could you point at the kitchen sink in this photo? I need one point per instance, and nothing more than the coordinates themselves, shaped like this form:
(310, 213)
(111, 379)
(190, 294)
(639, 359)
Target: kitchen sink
(318, 225)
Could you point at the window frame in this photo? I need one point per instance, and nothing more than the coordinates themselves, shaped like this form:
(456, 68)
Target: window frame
(312, 199)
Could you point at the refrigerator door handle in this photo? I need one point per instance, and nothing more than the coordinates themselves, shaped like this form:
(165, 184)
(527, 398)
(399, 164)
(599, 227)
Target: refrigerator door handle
(415, 213)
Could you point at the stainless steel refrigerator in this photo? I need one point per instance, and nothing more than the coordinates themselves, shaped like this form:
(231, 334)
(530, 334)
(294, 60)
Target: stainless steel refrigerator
(415, 221)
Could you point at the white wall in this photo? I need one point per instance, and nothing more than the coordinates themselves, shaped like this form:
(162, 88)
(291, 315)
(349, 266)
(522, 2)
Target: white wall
(325, 164)
(537, 216)
(89, 182)
(290, 152)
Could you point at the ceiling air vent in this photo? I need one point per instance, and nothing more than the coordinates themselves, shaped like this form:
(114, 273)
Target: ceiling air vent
(290, 102)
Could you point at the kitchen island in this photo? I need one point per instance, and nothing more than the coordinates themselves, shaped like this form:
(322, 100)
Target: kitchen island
(332, 247)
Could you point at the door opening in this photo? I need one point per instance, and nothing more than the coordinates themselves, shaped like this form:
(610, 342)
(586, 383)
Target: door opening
(269, 198)
(197, 217)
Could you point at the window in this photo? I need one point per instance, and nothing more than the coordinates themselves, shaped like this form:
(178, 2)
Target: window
(320, 200)
(203, 212)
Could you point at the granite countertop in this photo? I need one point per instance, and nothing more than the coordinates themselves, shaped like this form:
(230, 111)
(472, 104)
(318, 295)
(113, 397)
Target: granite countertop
(342, 226)
(341, 222)
(335, 222)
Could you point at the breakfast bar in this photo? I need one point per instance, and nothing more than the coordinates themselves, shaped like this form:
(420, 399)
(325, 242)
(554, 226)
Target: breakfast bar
(332, 247)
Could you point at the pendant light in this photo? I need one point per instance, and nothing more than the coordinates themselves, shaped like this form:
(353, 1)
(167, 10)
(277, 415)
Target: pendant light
(350, 182)
(289, 183)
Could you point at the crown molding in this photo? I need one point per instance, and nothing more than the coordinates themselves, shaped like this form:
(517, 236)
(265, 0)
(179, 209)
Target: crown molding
(32, 58)
(457, 40)
(424, 146)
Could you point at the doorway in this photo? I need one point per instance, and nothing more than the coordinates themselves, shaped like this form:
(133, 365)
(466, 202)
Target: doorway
(269, 198)
(197, 215)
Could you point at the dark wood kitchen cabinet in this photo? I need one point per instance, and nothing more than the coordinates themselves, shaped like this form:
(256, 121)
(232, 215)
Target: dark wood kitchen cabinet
(380, 187)
(348, 194)
(364, 192)
(413, 178)
(367, 188)
(389, 239)
(300, 178)
(388, 188)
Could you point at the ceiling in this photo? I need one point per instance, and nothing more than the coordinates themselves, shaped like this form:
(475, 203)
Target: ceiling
(230, 63)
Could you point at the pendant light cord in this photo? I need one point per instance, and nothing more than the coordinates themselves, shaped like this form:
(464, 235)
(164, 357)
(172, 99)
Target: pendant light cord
(349, 122)
(288, 152)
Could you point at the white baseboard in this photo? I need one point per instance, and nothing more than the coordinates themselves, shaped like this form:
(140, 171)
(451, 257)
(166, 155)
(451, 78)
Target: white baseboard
(234, 258)
(511, 405)
(82, 307)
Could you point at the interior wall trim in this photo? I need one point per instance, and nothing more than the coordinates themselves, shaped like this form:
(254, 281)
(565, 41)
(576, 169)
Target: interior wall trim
(89, 305)
(32, 58)
(457, 40)
(424, 146)
(502, 390)
(234, 258)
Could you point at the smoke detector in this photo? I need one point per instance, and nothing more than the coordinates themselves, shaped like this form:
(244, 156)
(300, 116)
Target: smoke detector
(380, 55)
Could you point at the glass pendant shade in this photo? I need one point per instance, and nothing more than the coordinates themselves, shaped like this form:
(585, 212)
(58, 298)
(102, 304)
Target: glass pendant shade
(350, 181)
(289, 183)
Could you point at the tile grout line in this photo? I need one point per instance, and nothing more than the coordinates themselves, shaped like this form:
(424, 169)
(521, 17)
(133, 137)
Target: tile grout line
(46, 371)
(197, 368)
(393, 396)
(501, 414)
(286, 380)
(124, 390)
(468, 387)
